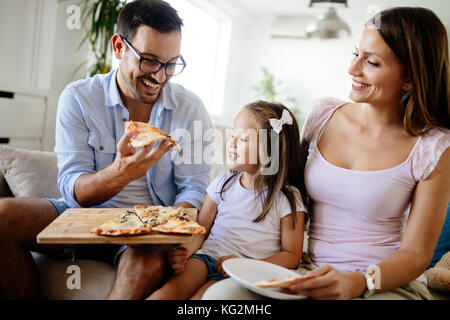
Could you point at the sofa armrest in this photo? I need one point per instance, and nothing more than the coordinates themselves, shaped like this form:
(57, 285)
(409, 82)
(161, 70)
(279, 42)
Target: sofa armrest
(29, 173)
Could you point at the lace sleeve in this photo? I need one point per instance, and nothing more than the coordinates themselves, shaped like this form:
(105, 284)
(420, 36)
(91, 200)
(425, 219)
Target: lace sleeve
(429, 151)
(317, 116)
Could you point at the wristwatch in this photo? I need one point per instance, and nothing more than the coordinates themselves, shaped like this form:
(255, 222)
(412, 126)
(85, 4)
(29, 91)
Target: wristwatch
(370, 286)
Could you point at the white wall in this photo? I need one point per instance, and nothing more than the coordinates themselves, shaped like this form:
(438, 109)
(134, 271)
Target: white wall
(17, 30)
(39, 53)
(66, 58)
(309, 69)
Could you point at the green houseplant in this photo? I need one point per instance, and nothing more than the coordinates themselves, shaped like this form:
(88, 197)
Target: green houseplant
(269, 89)
(98, 19)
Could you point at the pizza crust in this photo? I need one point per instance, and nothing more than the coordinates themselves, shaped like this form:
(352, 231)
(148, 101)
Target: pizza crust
(120, 232)
(150, 218)
(284, 283)
(180, 224)
(156, 215)
(126, 224)
(147, 134)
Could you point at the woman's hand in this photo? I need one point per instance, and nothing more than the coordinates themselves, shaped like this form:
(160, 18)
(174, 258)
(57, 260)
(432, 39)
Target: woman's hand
(219, 266)
(177, 258)
(329, 283)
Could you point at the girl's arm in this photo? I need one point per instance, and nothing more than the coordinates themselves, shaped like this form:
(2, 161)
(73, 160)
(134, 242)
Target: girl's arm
(178, 255)
(205, 218)
(427, 214)
(291, 242)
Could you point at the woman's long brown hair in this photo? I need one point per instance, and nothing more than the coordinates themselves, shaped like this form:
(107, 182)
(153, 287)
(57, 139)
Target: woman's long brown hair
(291, 159)
(419, 40)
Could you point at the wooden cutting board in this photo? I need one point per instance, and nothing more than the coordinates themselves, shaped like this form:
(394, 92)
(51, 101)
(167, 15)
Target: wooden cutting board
(73, 227)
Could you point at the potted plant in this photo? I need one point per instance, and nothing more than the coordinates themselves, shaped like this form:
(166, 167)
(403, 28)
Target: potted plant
(98, 19)
(269, 89)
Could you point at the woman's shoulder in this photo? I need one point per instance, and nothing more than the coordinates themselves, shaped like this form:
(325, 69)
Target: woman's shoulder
(430, 147)
(437, 133)
(319, 114)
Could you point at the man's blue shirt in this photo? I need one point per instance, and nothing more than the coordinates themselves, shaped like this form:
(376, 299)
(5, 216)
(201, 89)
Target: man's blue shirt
(90, 122)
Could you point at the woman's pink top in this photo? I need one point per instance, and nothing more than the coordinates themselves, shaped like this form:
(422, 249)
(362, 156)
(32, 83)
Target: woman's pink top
(359, 216)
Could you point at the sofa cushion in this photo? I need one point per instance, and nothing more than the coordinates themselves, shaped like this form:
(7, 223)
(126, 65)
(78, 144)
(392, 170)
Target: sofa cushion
(96, 278)
(30, 173)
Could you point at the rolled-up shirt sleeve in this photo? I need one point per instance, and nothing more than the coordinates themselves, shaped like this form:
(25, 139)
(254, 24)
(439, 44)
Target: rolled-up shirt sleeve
(75, 156)
(192, 178)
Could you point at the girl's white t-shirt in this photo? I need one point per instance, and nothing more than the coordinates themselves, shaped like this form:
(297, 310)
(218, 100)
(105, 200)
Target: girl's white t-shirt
(234, 232)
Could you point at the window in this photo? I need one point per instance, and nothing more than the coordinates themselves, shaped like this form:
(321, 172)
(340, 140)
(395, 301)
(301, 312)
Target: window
(204, 46)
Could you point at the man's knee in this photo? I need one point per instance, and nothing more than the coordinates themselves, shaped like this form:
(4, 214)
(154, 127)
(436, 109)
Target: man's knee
(23, 218)
(150, 257)
(6, 204)
(7, 216)
(170, 291)
(157, 259)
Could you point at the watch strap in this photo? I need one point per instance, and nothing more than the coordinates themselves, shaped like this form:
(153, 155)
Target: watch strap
(370, 286)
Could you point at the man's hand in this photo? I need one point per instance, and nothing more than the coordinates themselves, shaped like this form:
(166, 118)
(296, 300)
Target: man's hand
(219, 266)
(184, 204)
(177, 258)
(131, 164)
(94, 188)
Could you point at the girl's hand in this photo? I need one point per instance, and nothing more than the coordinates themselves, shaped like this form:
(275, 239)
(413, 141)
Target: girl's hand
(329, 283)
(219, 266)
(177, 258)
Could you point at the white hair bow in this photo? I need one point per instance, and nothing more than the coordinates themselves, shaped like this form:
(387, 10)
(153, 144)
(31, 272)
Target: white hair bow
(277, 125)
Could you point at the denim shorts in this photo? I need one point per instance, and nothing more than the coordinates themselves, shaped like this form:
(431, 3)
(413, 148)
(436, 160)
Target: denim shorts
(210, 262)
(60, 204)
(109, 253)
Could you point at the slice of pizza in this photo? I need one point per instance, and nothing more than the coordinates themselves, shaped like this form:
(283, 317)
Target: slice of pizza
(126, 224)
(284, 283)
(156, 215)
(180, 224)
(147, 134)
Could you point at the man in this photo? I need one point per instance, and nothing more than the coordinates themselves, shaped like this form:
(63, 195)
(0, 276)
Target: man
(93, 172)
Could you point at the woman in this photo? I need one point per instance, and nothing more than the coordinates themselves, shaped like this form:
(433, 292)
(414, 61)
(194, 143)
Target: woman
(372, 159)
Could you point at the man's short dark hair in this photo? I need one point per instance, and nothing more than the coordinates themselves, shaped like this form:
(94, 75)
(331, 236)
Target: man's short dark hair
(156, 14)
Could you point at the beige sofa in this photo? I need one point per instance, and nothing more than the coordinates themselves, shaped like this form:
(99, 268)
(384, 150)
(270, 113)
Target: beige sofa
(25, 173)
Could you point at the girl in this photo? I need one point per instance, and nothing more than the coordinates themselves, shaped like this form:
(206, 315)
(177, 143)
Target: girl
(252, 212)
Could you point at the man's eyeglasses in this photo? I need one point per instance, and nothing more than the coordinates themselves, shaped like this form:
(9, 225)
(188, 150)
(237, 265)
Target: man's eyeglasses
(153, 66)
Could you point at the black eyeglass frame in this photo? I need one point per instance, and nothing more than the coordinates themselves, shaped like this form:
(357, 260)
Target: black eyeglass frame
(164, 65)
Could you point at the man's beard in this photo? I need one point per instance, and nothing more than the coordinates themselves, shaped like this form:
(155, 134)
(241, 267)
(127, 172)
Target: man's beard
(134, 90)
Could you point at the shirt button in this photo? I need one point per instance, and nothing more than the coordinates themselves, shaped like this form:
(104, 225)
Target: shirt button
(124, 119)
(101, 148)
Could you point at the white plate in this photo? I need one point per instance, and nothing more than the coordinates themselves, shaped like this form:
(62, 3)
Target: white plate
(248, 271)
